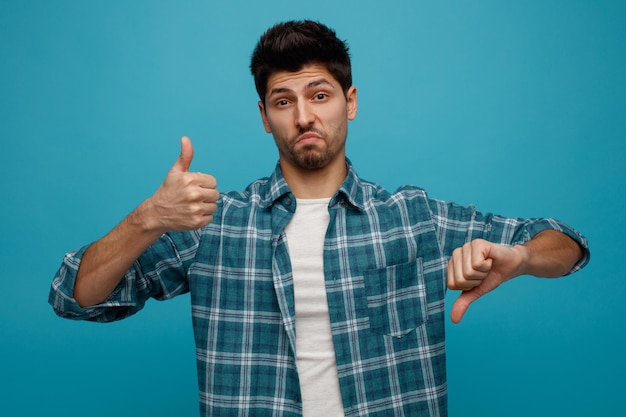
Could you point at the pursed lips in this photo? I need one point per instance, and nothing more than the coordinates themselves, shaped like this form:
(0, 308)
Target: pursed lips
(308, 138)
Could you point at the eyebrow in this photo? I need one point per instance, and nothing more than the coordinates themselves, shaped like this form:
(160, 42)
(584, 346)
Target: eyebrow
(312, 84)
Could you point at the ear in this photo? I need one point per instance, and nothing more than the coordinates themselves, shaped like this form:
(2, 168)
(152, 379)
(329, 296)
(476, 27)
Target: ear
(352, 102)
(266, 123)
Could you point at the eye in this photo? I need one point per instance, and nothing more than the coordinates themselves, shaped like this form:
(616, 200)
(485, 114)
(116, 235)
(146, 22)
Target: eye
(282, 103)
(321, 96)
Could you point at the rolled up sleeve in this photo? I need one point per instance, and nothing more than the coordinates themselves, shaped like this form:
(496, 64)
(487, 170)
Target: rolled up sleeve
(457, 225)
(160, 273)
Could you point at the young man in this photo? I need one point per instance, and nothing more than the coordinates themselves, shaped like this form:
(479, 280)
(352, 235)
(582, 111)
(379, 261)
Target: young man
(313, 291)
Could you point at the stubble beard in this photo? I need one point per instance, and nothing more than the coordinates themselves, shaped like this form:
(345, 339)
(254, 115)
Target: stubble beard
(311, 157)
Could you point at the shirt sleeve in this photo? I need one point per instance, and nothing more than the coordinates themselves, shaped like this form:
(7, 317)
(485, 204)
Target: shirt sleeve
(457, 225)
(160, 273)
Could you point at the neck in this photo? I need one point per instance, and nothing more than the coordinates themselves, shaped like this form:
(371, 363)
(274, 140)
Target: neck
(319, 183)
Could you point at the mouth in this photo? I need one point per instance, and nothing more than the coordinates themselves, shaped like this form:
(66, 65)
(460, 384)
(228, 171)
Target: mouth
(308, 138)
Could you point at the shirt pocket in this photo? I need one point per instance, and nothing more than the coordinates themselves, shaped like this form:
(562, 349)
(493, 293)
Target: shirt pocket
(396, 298)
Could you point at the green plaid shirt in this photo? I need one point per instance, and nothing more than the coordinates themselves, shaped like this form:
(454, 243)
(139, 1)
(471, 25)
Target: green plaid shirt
(385, 258)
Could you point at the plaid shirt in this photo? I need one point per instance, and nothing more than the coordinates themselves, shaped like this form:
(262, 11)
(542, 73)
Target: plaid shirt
(385, 258)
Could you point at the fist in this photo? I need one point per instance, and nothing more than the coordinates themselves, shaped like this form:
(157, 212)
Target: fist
(479, 267)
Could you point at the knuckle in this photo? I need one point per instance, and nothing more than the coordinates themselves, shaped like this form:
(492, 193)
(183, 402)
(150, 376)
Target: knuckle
(187, 179)
(194, 195)
(194, 210)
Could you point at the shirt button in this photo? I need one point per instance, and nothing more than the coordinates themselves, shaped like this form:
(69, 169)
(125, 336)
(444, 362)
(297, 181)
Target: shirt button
(296, 398)
(288, 201)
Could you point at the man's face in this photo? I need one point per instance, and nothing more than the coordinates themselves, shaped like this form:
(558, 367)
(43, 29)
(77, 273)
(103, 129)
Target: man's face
(307, 113)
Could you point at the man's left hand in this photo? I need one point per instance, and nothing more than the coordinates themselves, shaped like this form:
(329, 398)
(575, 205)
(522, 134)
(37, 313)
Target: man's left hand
(479, 267)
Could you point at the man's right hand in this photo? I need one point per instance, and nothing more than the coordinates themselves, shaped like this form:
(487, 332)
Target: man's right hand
(185, 201)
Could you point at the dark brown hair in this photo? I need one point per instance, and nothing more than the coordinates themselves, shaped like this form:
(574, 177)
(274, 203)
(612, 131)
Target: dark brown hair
(289, 46)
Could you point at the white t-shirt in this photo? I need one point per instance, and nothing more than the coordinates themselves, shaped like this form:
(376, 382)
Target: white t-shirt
(315, 354)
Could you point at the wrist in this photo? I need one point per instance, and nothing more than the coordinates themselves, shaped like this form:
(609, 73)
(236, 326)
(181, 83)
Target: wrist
(523, 257)
(145, 220)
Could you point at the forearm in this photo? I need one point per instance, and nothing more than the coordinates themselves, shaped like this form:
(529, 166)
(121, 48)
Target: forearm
(549, 254)
(480, 266)
(184, 201)
(105, 262)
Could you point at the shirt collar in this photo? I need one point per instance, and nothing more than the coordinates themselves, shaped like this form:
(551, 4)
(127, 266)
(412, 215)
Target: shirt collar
(351, 190)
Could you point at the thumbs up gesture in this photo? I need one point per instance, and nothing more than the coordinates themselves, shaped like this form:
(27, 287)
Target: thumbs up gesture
(186, 200)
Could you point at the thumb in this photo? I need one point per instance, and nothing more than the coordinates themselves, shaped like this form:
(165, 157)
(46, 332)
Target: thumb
(186, 155)
(462, 303)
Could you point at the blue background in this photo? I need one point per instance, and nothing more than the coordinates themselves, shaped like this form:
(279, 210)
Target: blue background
(516, 107)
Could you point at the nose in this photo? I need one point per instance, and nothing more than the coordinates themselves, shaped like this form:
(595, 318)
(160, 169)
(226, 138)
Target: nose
(304, 116)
